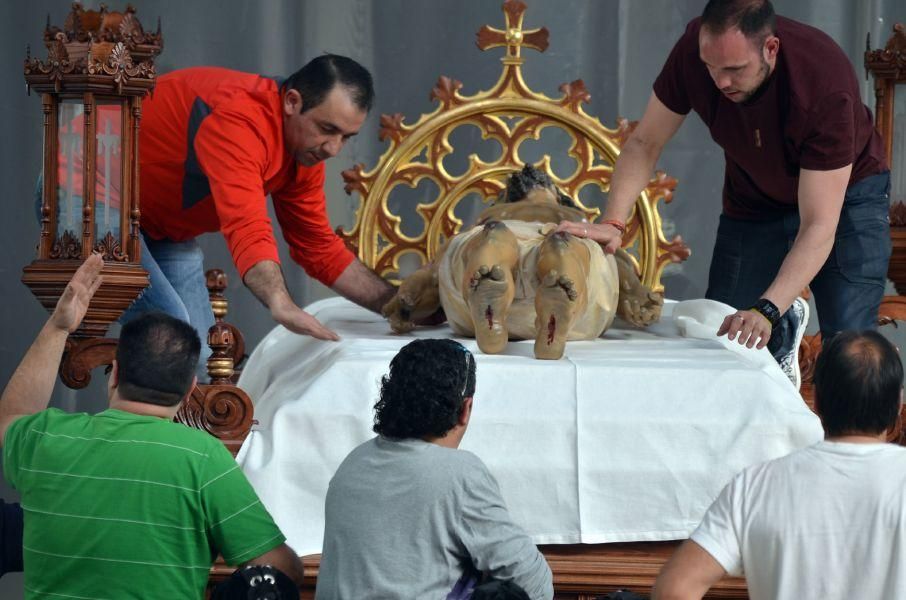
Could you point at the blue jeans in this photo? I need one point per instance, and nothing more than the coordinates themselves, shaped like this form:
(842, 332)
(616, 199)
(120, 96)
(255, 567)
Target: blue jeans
(176, 283)
(849, 287)
(177, 287)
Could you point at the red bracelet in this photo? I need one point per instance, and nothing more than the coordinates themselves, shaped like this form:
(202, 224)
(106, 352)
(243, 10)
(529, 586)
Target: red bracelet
(616, 224)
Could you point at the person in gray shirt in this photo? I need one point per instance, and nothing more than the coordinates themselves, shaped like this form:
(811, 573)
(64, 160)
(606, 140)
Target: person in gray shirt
(408, 514)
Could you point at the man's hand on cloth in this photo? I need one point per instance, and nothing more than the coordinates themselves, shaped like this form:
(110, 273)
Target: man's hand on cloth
(748, 326)
(298, 321)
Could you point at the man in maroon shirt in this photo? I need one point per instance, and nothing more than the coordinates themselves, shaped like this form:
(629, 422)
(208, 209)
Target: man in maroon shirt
(805, 191)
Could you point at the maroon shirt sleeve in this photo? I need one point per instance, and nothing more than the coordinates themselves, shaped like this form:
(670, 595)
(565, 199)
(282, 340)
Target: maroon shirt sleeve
(829, 142)
(670, 85)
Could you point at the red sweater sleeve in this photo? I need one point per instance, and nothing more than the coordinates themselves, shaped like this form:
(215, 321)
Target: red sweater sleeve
(233, 155)
(301, 209)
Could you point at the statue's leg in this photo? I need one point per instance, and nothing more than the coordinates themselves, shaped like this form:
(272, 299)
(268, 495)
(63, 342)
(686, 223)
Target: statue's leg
(563, 267)
(638, 304)
(488, 286)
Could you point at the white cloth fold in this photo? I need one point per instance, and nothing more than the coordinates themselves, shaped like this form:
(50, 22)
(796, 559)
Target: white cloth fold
(628, 438)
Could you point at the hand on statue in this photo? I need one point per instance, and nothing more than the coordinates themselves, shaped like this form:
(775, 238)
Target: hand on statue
(608, 236)
(748, 326)
(73, 304)
(298, 321)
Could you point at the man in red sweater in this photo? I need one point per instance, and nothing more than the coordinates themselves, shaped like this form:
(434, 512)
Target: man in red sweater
(214, 144)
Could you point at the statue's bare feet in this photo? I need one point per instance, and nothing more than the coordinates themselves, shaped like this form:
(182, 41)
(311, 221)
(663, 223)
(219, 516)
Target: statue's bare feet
(563, 273)
(488, 285)
(555, 306)
(491, 290)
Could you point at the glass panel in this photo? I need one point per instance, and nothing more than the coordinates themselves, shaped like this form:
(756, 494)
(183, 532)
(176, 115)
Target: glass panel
(898, 152)
(69, 168)
(109, 180)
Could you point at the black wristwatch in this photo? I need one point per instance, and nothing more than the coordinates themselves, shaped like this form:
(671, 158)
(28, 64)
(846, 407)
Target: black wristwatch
(767, 309)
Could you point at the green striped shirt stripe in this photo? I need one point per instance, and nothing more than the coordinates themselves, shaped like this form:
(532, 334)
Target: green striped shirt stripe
(117, 520)
(98, 439)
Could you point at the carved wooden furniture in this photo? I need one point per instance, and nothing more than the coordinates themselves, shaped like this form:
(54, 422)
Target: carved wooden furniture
(888, 68)
(98, 68)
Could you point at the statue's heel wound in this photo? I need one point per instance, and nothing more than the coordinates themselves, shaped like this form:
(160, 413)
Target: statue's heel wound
(489, 297)
(556, 307)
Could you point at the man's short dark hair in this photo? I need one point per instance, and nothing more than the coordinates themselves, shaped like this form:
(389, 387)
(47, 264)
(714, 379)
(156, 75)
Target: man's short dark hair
(858, 379)
(422, 396)
(156, 358)
(754, 18)
(317, 78)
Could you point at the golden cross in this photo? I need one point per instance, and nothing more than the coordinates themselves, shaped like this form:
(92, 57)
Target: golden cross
(513, 37)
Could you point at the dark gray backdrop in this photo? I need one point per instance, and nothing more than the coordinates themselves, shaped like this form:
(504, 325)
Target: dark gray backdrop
(616, 46)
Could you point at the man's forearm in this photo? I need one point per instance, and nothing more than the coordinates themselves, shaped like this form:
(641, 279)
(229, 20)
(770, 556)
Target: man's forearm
(30, 387)
(266, 282)
(631, 174)
(809, 253)
(363, 286)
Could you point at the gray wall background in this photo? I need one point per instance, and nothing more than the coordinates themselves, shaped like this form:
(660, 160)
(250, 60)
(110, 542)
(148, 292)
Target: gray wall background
(616, 46)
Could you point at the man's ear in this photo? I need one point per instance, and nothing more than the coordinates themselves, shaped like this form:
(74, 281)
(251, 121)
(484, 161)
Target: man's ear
(191, 387)
(771, 47)
(292, 102)
(465, 413)
(114, 374)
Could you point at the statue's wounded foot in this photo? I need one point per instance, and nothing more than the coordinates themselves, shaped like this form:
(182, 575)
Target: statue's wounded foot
(555, 305)
(490, 295)
(563, 272)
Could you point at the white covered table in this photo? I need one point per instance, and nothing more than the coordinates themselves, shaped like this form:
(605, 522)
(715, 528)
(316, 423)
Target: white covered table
(627, 438)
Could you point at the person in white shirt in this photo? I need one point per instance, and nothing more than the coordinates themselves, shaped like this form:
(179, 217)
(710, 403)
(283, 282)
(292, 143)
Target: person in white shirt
(827, 521)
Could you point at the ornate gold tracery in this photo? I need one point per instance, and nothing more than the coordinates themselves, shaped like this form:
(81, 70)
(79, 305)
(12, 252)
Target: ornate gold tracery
(510, 113)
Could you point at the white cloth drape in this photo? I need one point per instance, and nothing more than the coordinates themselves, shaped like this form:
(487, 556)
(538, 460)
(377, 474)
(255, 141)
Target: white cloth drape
(628, 437)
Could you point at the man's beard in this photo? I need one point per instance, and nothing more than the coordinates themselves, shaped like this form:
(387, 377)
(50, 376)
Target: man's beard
(763, 73)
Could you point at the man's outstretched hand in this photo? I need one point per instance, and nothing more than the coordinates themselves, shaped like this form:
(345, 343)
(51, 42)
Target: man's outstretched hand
(298, 321)
(73, 304)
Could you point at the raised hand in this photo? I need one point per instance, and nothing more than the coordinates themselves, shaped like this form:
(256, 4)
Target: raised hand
(73, 304)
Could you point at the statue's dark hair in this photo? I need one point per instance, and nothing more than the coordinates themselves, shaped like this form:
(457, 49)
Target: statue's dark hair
(319, 76)
(754, 18)
(422, 396)
(520, 183)
(858, 380)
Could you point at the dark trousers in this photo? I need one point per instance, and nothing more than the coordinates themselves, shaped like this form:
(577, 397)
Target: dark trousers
(849, 287)
(11, 524)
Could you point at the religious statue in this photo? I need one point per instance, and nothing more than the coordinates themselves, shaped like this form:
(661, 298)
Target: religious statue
(512, 276)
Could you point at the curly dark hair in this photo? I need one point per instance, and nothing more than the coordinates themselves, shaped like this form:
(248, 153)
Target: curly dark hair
(422, 395)
(520, 183)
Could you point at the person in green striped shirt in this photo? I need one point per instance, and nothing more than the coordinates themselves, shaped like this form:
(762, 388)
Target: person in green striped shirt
(126, 503)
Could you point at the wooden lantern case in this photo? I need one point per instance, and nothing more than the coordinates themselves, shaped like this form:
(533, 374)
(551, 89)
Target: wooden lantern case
(98, 68)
